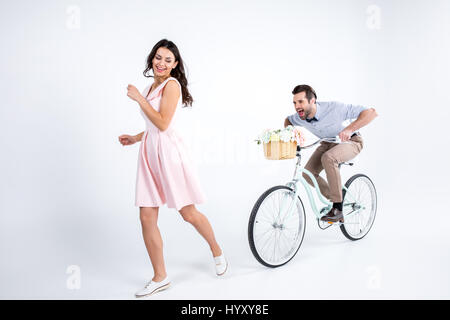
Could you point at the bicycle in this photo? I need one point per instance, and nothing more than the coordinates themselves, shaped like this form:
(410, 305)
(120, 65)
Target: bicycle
(277, 222)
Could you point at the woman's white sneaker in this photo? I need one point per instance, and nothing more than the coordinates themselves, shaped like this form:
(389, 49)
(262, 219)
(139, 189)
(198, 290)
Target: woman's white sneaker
(153, 287)
(221, 264)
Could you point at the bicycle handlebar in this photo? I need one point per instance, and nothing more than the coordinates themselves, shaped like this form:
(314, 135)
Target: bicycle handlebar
(332, 140)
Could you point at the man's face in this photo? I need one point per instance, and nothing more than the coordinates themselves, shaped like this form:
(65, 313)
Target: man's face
(302, 105)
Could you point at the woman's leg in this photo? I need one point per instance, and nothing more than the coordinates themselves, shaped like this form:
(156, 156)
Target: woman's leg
(201, 223)
(153, 241)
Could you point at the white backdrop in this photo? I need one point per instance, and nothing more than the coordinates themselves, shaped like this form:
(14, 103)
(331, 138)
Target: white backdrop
(69, 228)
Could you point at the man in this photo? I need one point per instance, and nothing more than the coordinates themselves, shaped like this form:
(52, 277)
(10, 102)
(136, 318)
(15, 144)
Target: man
(325, 120)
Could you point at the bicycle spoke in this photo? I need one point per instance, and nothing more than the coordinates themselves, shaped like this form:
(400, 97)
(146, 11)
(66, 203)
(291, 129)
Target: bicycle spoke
(268, 214)
(267, 241)
(260, 219)
(261, 235)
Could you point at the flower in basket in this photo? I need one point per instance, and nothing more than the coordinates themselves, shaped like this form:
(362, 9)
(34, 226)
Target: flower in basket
(288, 134)
(275, 137)
(298, 136)
(264, 137)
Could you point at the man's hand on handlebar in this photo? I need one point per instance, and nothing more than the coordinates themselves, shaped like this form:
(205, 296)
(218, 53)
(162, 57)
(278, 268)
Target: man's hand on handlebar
(345, 134)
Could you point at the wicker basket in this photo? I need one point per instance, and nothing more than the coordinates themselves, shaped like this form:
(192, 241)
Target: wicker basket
(279, 150)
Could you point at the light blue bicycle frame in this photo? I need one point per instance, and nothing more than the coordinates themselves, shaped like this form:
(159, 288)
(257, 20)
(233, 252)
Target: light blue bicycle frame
(298, 177)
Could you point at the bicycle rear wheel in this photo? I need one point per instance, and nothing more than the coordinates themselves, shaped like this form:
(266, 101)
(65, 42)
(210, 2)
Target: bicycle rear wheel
(361, 195)
(277, 226)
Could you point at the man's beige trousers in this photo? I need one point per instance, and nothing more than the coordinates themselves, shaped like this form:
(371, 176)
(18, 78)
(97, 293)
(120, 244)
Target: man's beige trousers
(328, 156)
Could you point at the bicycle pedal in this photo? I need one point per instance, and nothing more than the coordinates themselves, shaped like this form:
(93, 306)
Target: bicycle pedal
(338, 222)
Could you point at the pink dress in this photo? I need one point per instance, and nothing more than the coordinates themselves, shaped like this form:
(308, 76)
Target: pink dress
(165, 171)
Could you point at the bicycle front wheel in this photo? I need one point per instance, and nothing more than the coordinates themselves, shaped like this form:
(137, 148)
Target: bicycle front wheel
(277, 226)
(359, 205)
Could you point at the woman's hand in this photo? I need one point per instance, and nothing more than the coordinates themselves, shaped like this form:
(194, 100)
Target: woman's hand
(127, 140)
(134, 93)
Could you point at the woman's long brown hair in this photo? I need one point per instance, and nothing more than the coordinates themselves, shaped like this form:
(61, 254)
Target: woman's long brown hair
(178, 72)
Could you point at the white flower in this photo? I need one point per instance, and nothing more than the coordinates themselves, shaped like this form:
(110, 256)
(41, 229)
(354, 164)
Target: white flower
(285, 135)
(275, 137)
(290, 133)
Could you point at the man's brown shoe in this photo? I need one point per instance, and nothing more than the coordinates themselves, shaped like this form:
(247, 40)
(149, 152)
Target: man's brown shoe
(334, 215)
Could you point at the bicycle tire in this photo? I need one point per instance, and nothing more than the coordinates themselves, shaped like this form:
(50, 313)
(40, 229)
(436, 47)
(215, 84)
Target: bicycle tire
(251, 224)
(347, 185)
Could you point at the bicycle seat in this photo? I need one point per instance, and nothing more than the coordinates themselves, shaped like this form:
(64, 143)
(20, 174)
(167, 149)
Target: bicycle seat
(346, 163)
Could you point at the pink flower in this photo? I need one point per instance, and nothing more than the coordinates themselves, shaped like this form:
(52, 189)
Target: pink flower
(299, 137)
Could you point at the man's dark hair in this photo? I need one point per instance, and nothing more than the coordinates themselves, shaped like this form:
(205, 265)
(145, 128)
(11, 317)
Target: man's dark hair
(309, 92)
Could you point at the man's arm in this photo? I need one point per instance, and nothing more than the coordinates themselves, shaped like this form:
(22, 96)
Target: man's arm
(287, 122)
(364, 118)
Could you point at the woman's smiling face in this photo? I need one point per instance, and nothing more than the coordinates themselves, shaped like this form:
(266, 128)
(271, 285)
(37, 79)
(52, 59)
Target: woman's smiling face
(163, 62)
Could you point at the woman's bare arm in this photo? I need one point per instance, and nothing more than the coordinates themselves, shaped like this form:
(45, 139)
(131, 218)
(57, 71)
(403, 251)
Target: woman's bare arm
(168, 105)
(138, 137)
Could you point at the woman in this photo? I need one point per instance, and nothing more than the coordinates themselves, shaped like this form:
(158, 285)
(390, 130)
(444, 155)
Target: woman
(165, 172)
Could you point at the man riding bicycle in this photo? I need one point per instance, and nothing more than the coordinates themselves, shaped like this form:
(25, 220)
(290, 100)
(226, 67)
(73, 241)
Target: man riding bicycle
(325, 120)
